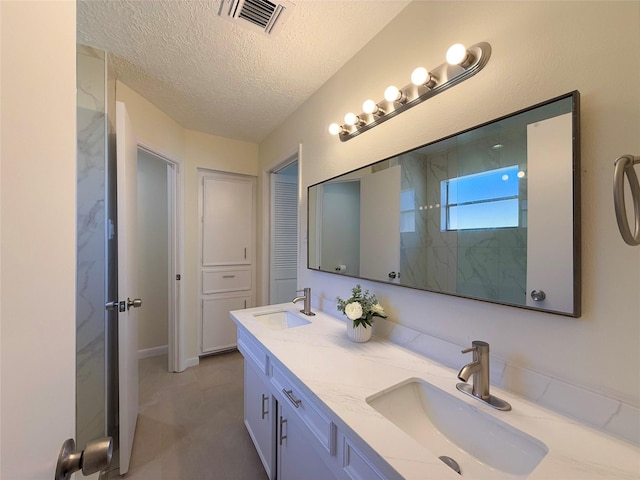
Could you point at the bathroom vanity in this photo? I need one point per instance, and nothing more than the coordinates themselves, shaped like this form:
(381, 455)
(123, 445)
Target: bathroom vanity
(318, 406)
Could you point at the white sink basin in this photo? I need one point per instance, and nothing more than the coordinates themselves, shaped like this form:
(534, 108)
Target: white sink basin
(280, 320)
(483, 446)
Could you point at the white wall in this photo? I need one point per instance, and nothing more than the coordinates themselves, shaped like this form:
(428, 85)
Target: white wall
(37, 222)
(153, 250)
(540, 50)
(197, 150)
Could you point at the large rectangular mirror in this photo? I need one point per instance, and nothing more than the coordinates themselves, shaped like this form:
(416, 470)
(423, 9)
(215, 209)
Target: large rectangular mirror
(491, 213)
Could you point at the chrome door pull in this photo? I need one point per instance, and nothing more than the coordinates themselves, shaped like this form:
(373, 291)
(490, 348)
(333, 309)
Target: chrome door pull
(294, 401)
(282, 422)
(94, 458)
(264, 412)
(135, 303)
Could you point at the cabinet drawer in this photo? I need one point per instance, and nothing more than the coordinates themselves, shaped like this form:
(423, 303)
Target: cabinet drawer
(252, 352)
(321, 427)
(218, 280)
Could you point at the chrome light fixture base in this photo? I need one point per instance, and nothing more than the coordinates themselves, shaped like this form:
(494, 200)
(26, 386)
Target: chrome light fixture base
(442, 77)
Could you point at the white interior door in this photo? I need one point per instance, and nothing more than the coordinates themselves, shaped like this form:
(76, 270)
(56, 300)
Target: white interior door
(38, 241)
(380, 225)
(284, 238)
(127, 154)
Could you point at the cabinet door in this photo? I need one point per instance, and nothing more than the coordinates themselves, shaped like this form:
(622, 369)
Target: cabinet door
(297, 457)
(228, 220)
(218, 330)
(259, 416)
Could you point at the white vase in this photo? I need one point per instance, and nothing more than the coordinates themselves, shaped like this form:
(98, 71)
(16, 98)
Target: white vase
(358, 334)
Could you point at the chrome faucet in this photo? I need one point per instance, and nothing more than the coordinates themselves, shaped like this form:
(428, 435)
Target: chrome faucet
(479, 368)
(307, 301)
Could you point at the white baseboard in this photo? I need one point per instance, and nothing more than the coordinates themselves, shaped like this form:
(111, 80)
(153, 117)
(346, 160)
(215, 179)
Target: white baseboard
(192, 362)
(153, 352)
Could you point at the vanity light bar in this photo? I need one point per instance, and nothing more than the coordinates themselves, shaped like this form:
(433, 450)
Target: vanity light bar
(462, 63)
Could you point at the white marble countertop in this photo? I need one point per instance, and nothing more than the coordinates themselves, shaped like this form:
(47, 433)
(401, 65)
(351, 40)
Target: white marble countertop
(342, 375)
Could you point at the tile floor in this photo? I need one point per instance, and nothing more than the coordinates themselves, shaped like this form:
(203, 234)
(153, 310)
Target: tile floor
(190, 424)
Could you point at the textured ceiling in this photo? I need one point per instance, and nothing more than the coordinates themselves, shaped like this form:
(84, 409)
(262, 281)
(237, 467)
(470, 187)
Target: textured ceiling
(216, 76)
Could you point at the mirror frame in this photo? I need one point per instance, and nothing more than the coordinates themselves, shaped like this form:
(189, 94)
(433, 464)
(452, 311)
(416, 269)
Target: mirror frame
(577, 234)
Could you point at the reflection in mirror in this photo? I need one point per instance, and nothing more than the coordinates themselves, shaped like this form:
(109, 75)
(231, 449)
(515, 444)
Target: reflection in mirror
(491, 213)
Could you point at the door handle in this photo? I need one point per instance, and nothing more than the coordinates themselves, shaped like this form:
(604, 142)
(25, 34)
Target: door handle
(135, 303)
(538, 295)
(283, 421)
(96, 457)
(111, 305)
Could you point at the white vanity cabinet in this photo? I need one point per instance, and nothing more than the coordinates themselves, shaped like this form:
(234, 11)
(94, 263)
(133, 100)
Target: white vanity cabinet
(299, 441)
(297, 455)
(354, 463)
(259, 418)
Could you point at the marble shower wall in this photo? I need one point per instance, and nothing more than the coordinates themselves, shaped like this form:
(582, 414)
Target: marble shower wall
(90, 294)
(488, 263)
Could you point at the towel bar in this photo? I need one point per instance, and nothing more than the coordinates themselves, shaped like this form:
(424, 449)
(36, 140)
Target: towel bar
(624, 165)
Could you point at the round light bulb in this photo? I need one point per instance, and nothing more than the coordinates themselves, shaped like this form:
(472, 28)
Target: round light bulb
(419, 76)
(350, 119)
(456, 54)
(392, 94)
(521, 174)
(369, 106)
(334, 129)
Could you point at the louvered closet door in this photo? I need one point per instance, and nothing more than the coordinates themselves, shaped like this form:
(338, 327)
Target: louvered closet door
(284, 237)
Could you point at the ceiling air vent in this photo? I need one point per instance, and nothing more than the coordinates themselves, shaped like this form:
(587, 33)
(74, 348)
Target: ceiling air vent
(259, 15)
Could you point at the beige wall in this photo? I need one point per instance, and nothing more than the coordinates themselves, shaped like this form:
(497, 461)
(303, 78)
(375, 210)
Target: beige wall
(540, 50)
(37, 222)
(153, 248)
(195, 150)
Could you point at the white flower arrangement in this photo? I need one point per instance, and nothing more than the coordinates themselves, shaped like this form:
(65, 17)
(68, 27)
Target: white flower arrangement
(361, 307)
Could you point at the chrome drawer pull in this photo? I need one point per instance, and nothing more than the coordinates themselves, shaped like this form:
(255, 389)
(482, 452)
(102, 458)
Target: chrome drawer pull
(294, 401)
(228, 276)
